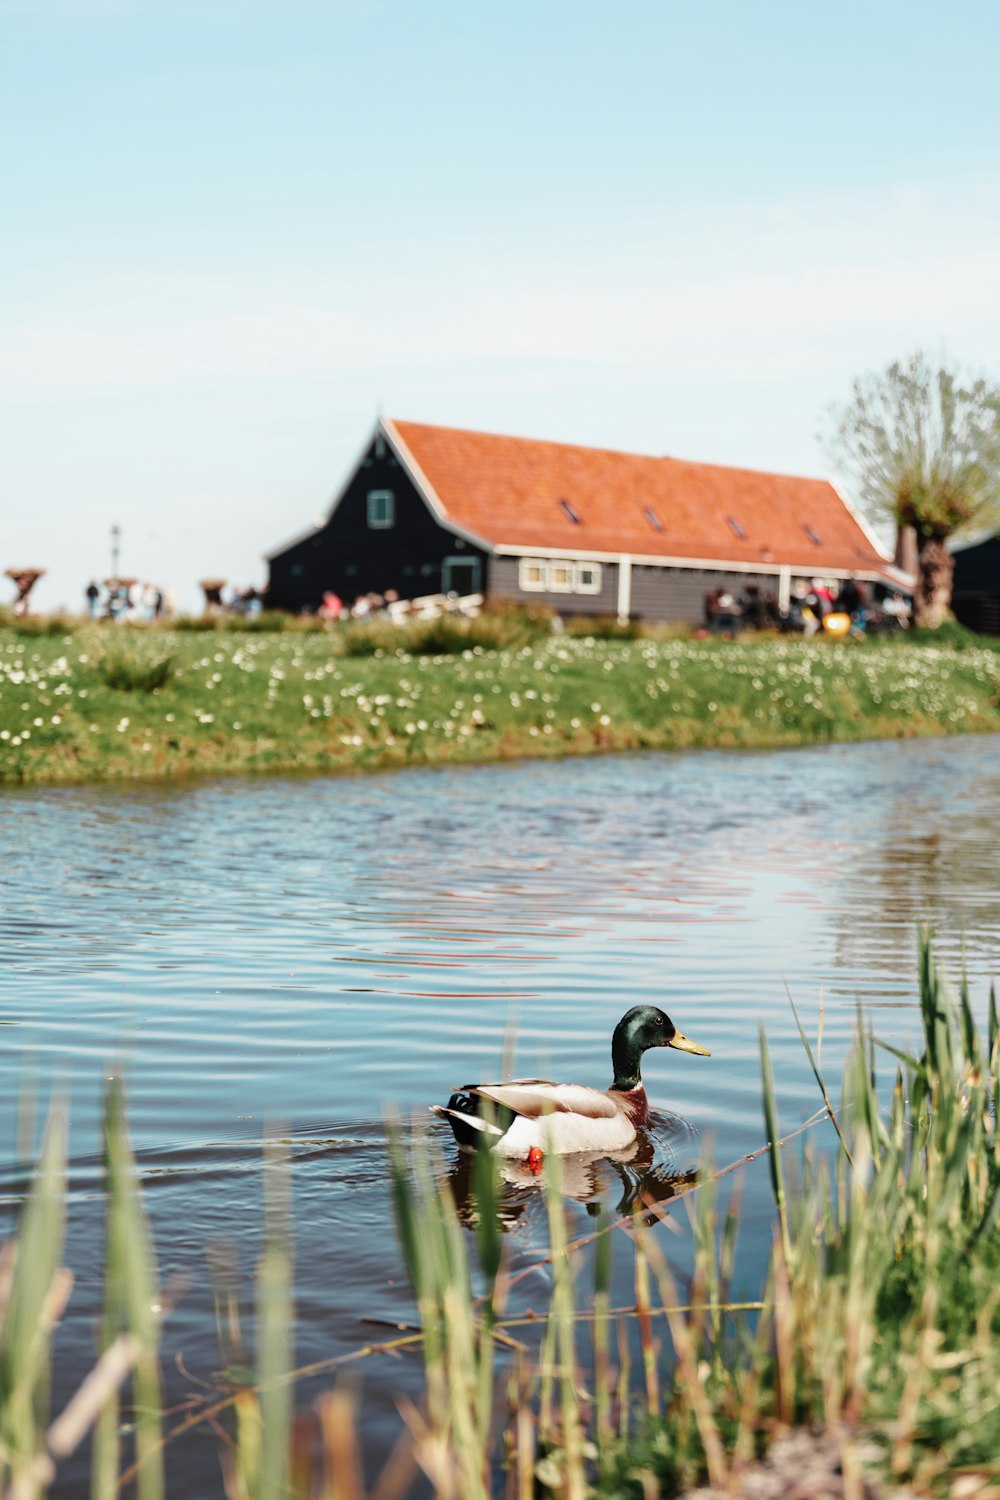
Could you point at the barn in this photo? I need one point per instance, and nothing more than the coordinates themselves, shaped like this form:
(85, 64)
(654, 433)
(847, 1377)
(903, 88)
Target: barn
(975, 598)
(429, 509)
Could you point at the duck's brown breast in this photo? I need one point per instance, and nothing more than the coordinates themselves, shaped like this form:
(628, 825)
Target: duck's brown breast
(633, 1102)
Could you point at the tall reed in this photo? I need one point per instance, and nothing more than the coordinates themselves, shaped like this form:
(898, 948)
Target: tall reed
(34, 1290)
(132, 1308)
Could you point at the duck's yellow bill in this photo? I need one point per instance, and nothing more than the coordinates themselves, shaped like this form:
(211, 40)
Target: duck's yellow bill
(684, 1044)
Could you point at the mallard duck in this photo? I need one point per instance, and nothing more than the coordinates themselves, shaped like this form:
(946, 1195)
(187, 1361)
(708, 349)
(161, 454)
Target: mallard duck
(528, 1116)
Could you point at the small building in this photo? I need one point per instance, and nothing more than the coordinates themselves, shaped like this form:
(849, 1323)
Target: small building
(587, 530)
(975, 598)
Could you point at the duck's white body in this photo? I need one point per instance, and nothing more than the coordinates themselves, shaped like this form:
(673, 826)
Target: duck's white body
(558, 1117)
(535, 1114)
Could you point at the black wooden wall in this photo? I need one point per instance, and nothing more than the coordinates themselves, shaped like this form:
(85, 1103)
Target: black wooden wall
(350, 558)
(976, 586)
(977, 569)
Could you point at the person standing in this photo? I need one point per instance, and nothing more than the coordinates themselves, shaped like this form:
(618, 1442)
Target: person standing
(93, 594)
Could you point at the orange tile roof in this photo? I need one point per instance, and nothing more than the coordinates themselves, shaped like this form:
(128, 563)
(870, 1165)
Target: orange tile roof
(509, 492)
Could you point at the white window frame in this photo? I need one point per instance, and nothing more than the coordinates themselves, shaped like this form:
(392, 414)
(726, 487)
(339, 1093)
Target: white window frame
(536, 575)
(526, 564)
(381, 513)
(594, 586)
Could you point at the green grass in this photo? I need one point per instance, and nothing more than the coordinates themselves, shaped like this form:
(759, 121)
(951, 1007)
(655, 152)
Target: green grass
(105, 704)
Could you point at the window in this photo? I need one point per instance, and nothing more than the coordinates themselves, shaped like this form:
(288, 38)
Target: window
(736, 528)
(652, 518)
(570, 512)
(381, 509)
(812, 534)
(537, 576)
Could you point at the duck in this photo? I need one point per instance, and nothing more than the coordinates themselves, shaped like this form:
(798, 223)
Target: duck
(526, 1117)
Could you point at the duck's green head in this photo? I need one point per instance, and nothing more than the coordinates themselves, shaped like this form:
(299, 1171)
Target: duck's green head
(642, 1027)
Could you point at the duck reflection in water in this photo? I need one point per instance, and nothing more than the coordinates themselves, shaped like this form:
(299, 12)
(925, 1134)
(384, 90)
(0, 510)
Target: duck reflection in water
(627, 1180)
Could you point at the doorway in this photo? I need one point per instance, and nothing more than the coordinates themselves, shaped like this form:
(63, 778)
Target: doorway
(461, 575)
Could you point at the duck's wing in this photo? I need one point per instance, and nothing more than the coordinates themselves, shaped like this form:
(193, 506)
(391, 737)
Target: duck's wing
(533, 1097)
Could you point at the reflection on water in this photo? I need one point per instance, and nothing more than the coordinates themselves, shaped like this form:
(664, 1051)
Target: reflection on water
(640, 1176)
(317, 953)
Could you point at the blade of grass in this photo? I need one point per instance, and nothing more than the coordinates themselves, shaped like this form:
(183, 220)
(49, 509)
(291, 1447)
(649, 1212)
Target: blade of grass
(773, 1139)
(25, 1336)
(817, 1074)
(687, 1362)
(602, 1329)
(337, 1411)
(274, 1325)
(134, 1295)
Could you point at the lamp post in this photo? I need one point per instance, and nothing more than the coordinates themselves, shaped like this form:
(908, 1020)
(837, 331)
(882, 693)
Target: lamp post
(116, 536)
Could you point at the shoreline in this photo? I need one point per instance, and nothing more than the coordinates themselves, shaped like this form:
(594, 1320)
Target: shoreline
(134, 707)
(347, 770)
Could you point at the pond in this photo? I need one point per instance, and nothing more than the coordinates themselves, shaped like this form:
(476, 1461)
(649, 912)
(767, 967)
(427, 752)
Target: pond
(318, 953)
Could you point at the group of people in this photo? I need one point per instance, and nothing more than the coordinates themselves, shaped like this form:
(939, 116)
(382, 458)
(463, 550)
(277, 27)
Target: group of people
(126, 600)
(241, 601)
(853, 608)
(812, 607)
(725, 614)
(332, 607)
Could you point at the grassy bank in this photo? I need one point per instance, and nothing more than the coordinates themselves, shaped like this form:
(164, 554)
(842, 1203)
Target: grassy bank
(107, 703)
(875, 1338)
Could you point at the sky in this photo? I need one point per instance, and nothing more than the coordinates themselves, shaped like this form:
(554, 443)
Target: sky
(233, 233)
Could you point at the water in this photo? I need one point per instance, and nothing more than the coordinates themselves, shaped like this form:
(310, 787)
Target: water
(315, 953)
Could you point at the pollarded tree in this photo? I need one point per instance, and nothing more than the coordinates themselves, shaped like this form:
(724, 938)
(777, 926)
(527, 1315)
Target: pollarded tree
(921, 447)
